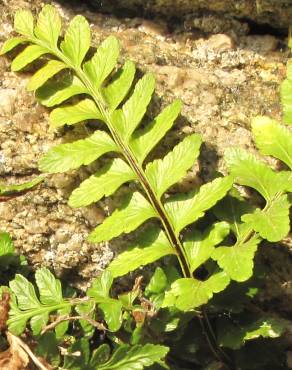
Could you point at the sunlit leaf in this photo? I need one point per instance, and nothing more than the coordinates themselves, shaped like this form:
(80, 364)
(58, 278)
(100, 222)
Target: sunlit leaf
(135, 211)
(25, 293)
(135, 107)
(187, 293)
(100, 287)
(11, 44)
(187, 208)
(151, 246)
(103, 61)
(54, 93)
(286, 99)
(45, 73)
(103, 183)
(144, 140)
(273, 222)
(199, 246)
(231, 209)
(237, 260)
(50, 288)
(28, 55)
(273, 139)
(66, 157)
(163, 173)
(112, 310)
(116, 91)
(77, 40)
(7, 190)
(6, 244)
(23, 22)
(251, 172)
(70, 114)
(49, 25)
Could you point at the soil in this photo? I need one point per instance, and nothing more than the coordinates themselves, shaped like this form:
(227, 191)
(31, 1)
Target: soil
(224, 75)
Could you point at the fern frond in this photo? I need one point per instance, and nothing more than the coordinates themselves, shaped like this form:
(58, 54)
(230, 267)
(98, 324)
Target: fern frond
(106, 87)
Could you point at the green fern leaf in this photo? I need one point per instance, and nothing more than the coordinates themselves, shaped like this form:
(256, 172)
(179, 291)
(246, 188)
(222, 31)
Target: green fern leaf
(27, 306)
(187, 208)
(237, 260)
(286, 99)
(199, 246)
(272, 223)
(45, 73)
(144, 140)
(163, 173)
(112, 310)
(249, 171)
(132, 214)
(28, 55)
(115, 92)
(69, 115)
(6, 244)
(77, 40)
(151, 246)
(100, 287)
(66, 157)
(285, 180)
(38, 322)
(103, 62)
(49, 287)
(11, 44)
(104, 183)
(187, 294)
(53, 93)
(62, 327)
(25, 293)
(48, 26)
(135, 107)
(23, 23)
(273, 139)
(7, 190)
(231, 209)
(135, 358)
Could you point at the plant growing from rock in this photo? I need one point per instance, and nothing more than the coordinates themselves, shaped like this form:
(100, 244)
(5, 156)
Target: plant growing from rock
(106, 92)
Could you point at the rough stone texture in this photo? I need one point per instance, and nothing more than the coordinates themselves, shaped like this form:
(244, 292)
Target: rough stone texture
(276, 13)
(223, 80)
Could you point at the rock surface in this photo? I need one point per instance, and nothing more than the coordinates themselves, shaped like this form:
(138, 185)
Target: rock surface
(223, 80)
(276, 13)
